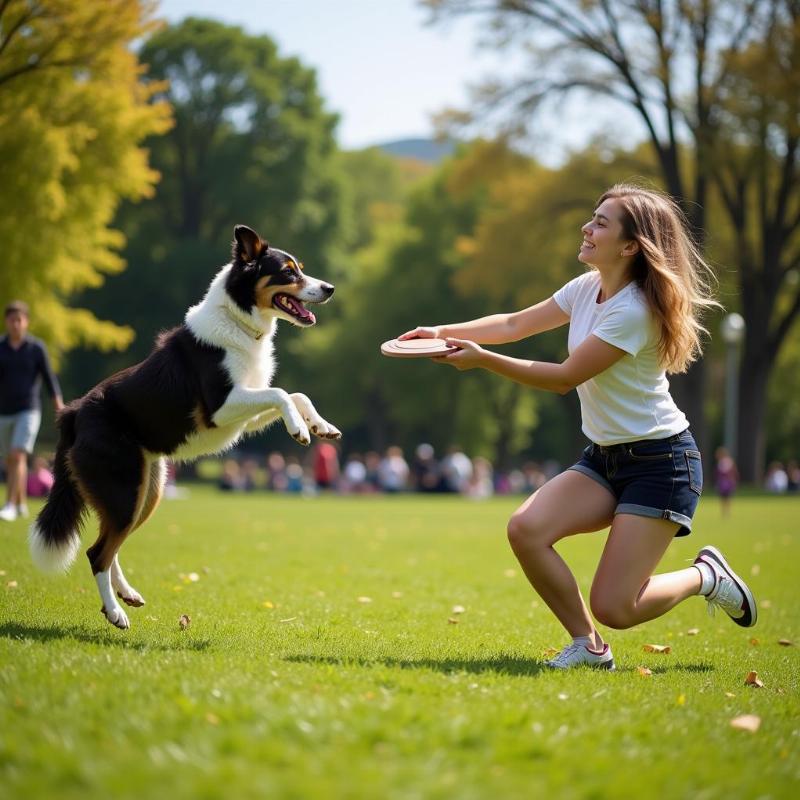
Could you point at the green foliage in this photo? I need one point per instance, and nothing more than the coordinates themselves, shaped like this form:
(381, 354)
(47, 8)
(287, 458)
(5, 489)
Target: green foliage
(73, 114)
(252, 143)
(284, 685)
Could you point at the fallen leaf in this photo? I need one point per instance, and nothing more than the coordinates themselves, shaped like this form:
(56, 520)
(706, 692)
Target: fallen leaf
(681, 699)
(643, 671)
(12, 584)
(550, 652)
(212, 719)
(452, 620)
(185, 621)
(2, 572)
(729, 694)
(397, 595)
(268, 604)
(693, 631)
(755, 569)
(364, 599)
(755, 642)
(459, 609)
(657, 648)
(510, 573)
(747, 722)
(752, 679)
(785, 642)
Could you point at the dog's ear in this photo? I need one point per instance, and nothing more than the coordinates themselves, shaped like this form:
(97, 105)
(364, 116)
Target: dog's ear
(247, 244)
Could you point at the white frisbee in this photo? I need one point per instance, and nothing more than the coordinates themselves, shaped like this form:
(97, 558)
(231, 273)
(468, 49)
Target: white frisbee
(415, 348)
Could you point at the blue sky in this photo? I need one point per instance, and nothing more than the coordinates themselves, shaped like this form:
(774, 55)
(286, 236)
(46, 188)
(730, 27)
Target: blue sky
(379, 65)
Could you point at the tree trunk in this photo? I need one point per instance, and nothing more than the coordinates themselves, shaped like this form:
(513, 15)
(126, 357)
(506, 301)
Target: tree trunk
(753, 384)
(689, 392)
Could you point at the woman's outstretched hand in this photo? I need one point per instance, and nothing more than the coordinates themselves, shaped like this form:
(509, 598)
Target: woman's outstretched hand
(420, 333)
(468, 356)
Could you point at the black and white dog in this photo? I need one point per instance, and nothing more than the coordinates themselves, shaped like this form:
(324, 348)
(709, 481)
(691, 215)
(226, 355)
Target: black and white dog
(204, 385)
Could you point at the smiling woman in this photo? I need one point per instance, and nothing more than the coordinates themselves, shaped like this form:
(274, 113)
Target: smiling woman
(634, 316)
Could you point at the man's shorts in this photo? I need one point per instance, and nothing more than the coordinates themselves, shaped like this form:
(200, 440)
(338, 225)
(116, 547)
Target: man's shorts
(659, 478)
(18, 431)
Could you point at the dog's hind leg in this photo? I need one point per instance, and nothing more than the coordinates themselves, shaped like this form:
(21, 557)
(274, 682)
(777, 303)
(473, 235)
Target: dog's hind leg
(114, 477)
(120, 585)
(154, 489)
(104, 550)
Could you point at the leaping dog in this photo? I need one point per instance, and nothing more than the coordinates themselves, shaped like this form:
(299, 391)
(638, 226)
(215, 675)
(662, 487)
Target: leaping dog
(204, 385)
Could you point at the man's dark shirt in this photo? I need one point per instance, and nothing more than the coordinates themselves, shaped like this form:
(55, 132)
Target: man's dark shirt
(21, 373)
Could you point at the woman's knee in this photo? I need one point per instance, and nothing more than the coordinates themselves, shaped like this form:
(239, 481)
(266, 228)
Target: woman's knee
(527, 530)
(612, 612)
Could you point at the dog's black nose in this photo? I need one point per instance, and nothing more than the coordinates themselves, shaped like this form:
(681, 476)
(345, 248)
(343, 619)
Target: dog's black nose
(328, 288)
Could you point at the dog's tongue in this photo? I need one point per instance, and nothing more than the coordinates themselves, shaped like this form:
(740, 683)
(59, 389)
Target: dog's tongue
(300, 309)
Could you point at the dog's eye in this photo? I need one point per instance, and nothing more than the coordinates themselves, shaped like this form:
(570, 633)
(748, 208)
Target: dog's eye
(287, 271)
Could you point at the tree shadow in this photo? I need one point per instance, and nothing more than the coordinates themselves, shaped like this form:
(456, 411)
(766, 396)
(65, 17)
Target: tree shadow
(103, 637)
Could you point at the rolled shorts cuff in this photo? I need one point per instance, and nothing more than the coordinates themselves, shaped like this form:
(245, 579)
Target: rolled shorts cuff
(584, 470)
(657, 513)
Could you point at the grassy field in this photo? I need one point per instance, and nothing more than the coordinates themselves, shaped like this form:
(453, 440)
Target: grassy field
(325, 659)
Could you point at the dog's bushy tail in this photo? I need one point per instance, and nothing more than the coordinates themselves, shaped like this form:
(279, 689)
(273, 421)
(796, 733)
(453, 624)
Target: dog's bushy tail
(54, 537)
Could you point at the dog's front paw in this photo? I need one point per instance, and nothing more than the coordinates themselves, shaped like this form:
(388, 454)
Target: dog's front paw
(116, 617)
(332, 433)
(300, 434)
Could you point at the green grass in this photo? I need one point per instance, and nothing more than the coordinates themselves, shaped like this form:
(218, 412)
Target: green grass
(286, 685)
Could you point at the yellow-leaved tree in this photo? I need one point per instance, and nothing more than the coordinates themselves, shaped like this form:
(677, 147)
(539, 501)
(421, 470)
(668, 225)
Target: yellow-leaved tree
(73, 114)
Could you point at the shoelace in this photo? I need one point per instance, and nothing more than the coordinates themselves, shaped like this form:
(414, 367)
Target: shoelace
(563, 656)
(725, 596)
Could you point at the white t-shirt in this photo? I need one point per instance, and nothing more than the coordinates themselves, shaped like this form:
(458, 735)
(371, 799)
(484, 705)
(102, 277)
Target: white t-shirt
(630, 400)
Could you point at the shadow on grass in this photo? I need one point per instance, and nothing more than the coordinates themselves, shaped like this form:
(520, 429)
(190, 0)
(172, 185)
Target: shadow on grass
(103, 637)
(500, 665)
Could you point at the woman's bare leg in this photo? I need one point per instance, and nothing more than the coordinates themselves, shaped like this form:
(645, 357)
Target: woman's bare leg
(625, 592)
(568, 504)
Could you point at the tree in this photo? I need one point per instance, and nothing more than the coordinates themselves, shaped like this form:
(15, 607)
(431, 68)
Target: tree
(668, 60)
(73, 114)
(252, 143)
(756, 169)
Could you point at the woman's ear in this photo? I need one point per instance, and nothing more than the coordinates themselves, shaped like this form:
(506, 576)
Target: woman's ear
(630, 249)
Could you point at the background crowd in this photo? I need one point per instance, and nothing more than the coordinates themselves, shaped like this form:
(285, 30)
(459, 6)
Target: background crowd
(389, 472)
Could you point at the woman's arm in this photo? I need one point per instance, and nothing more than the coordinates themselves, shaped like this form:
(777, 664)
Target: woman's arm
(592, 357)
(498, 328)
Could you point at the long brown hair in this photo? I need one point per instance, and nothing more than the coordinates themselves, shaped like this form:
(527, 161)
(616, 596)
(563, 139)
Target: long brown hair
(669, 269)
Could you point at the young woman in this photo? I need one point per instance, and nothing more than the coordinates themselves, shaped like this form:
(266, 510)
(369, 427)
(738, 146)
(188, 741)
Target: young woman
(633, 317)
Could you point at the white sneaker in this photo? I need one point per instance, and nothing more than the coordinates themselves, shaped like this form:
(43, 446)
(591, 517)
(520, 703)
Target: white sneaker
(729, 592)
(22, 511)
(574, 655)
(8, 513)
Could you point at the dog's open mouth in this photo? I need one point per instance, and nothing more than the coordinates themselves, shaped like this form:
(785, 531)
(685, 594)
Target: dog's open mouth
(294, 308)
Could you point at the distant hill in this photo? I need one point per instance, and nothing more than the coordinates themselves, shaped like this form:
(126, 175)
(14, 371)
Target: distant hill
(422, 149)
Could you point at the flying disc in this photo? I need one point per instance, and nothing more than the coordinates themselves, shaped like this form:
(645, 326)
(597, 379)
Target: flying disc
(416, 348)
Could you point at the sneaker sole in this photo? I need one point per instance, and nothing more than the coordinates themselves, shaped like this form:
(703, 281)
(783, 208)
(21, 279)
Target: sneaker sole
(751, 612)
(607, 665)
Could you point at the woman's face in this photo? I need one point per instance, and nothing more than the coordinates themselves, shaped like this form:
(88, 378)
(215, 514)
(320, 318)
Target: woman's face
(603, 243)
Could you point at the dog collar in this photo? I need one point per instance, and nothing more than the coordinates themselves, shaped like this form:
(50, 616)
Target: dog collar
(250, 330)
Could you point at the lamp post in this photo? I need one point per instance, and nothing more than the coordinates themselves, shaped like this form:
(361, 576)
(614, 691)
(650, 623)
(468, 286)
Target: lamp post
(732, 334)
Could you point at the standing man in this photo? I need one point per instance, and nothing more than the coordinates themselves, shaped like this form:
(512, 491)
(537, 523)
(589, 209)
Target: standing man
(23, 364)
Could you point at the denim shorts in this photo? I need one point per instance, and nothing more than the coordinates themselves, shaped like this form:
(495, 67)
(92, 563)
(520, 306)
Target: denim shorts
(18, 431)
(659, 478)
